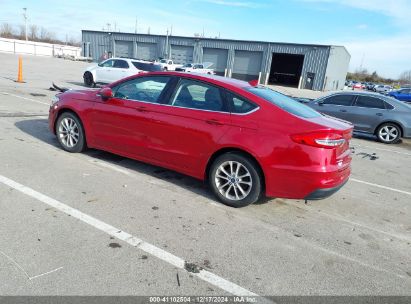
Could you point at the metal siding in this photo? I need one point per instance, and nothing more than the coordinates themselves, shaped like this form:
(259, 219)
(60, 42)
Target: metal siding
(217, 56)
(181, 54)
(147, 51)
(316, 56)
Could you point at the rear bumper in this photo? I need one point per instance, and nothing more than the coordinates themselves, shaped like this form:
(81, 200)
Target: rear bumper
(324, 193)
(301, 184)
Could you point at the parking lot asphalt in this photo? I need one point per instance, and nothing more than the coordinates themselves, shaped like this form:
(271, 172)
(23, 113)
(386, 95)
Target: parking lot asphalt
(100, 224)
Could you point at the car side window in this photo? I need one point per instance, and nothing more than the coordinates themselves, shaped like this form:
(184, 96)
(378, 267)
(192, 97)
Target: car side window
(198, 95)
(239, 105)
(146, 89)
(108, 63)
(121, 64)
(369, 102)
(388, 106)
(340, 100)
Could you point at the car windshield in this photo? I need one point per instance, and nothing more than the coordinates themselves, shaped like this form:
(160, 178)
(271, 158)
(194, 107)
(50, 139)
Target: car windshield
(286, 103)
(187, 65)
(149, 67)
(163, 61)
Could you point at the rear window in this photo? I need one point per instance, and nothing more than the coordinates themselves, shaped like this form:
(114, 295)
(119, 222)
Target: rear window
(284, 102)
(149, 67)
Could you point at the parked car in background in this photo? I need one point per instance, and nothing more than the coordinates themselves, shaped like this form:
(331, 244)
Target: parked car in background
(382, 88)
(358, 85)
(383, 116)
(213, 128)
(169, 65)
(202, 68)
(370, 86)
(114, 69)
(403, 94)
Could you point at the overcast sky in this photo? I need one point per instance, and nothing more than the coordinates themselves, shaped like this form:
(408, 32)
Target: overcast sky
(377, 33)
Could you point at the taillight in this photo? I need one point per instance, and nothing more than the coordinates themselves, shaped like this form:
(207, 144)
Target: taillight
(328, 139)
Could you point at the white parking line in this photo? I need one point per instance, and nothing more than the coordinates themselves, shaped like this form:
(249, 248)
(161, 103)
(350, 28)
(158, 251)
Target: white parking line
(25, 98)
(380, 186)
(128, 238)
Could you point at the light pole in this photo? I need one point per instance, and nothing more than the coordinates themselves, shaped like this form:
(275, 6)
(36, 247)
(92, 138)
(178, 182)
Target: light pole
(25, 21)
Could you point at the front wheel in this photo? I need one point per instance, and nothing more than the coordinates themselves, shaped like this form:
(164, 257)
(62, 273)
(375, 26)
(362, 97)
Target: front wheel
(235, 180)
(389, 133)
(70, 133)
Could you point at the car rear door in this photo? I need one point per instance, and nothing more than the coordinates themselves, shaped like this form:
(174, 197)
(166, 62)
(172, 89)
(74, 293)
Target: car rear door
(338, 105)
(123, 123)
(188, 128)
(367, 113)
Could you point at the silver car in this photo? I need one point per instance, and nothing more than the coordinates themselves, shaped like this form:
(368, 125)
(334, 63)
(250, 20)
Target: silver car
(371, 113)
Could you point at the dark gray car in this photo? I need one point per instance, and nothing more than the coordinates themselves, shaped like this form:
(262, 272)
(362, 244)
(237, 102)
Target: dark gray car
(383, 116)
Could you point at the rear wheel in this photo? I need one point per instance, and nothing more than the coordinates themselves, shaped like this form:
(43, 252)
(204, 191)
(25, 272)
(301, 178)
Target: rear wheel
(70, 133)
(235, 180)
(389, 133)
(88, 79)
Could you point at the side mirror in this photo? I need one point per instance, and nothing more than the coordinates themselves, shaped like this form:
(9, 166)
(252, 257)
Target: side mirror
(106, 93)
(100, 64)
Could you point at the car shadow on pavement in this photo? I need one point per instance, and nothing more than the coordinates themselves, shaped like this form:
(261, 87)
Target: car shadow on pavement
(38, 128)
(370, 137)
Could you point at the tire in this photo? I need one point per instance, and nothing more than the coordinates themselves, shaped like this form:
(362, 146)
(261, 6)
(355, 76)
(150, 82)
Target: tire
(88, 79)
(389, 133)
(165, 69)
(248, 179)
(70, 133)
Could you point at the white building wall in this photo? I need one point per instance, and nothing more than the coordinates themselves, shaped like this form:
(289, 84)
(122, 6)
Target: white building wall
(38, 48)
(337, 68)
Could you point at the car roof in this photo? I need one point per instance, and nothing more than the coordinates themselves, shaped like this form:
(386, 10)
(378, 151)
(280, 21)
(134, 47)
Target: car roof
(217, 80)
(388, 99)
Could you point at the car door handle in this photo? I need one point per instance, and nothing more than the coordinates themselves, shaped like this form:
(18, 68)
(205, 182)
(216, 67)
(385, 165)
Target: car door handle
(213, 122)
(342, 110)
(379, 114)
(141, 109)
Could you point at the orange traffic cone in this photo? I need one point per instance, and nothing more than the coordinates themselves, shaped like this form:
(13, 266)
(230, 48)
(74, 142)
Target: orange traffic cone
(20, 73)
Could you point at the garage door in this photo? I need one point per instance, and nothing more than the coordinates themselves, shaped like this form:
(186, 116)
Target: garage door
(218, 57)
(247, 64)
(124, 48)
(182, 54)
(146, 51)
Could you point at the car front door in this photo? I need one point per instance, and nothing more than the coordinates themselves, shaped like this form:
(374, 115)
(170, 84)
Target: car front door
(338, 105)
(122, 124)
(188, 128)
(120, 70)
(404, 95)
(104, 70)
(367, 113)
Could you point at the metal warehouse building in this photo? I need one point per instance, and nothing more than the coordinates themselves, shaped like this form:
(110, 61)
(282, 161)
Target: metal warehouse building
(315, 67)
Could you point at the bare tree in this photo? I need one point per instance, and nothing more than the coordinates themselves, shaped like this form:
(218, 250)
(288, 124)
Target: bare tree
(47, 36)
(405, 77)
(22, 32)
(33, 32)
(6, 30)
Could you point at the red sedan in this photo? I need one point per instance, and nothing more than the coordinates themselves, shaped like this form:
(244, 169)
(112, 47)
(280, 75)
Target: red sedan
(245, 140)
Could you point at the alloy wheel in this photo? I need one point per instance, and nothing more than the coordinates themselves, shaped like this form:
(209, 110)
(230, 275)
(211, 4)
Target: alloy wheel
(233, 180)
(388, 133)
(69, 132)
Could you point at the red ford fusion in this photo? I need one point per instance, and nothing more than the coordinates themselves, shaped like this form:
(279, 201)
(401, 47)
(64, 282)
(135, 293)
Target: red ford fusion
(245, 140)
